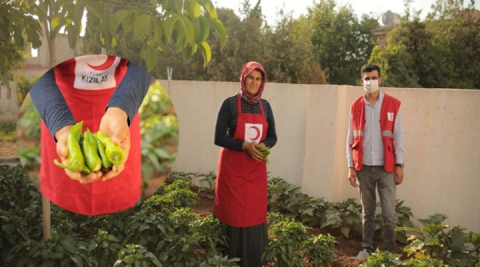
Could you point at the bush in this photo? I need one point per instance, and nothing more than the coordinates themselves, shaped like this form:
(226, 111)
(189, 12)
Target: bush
(320, 250)
(136, 255)
(286, 243)
(59, 251)
(344, 215)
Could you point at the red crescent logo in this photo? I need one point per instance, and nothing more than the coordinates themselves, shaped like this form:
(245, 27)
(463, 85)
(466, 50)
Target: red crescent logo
(257, 135)
(107, 64)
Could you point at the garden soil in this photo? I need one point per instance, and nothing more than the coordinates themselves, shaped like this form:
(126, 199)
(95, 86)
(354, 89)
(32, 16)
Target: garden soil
(346, 248)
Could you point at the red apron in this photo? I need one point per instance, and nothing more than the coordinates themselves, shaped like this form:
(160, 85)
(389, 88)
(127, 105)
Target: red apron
(241, 195)
(87, 83)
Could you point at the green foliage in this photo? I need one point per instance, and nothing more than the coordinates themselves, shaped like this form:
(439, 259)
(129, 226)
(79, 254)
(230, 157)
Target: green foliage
(17, 28)
(286, 243)
(436, 240)
(212, 237)
(424, 262)
(7, 132)
(219, 261)
(147, 229)
(151, 29)
(320, 250)
(344, 215)
(431, 53)
(290, 57)
(104, 247)
(171, 197)
(340, 41)
(208, 180)
(136, 255)
(24, 85)
(285, 198)
(382, 258)
(58, 250)
(474, 239)
(180, 245)
(159, 131)
(29, 120)
(18, 190)
(12, 232)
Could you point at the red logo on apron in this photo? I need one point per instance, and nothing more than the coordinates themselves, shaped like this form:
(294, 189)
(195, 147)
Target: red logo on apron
(95, 72)
(253, 132)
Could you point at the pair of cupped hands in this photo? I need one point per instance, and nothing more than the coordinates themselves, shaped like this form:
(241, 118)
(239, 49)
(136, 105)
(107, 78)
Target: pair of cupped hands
(114, 125)
(251, 149)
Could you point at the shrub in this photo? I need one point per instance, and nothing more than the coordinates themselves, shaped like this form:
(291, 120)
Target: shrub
(285, 198)
(58, 250)
(344, 215)
(136, 255)
(104, 247)
(320, 250)
(436, 240)
(382, 258)
(286, 243)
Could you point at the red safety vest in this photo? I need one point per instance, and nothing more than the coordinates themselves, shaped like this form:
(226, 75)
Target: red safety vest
(388, 114)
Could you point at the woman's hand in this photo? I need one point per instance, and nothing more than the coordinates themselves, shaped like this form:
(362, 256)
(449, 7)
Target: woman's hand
(251, 149)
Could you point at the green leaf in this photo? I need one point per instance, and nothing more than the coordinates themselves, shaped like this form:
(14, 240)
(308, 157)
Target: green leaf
(142, 27)
(143, 227)
(345, 231)
(188, 30)
(118, 18)
(220, 29)
(151, 57)
(56, 22)
(208, 6)
(69, 246)
(206, 52)
(96, 7)
(77, 260)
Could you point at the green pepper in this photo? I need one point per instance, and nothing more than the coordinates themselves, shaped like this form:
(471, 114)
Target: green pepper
(115, 154)
(76, 162)
(106, 164)
(265, 152)
(90, 152)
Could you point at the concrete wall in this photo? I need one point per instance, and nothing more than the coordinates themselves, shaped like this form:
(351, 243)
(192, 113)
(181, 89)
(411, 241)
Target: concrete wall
(8, 103)
(442, 130)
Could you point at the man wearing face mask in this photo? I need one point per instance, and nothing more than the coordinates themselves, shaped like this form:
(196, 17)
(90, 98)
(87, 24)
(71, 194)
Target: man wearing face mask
(375, 153)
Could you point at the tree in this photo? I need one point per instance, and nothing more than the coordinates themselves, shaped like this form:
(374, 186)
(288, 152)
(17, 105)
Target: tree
(245, 43)
(433, 53)
(154, 24)
(289, 53)
(17, 29)
(341, 43)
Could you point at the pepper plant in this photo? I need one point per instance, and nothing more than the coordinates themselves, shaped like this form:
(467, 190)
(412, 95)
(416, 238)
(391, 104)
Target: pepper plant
(344, 215)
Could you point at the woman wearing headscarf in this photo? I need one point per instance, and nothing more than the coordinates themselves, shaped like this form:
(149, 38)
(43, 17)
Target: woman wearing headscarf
(245, 121)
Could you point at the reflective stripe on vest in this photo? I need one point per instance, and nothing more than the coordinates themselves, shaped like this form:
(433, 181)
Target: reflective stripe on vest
(357, 133)
(387, 133)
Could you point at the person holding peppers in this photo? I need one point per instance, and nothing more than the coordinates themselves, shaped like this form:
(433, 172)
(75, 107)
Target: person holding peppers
(105, 93)
(245, 122)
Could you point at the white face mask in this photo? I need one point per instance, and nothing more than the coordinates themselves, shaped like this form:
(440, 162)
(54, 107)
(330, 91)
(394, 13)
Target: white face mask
(370, 86)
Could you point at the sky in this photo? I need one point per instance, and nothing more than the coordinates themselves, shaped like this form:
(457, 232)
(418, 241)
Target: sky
(299, 7)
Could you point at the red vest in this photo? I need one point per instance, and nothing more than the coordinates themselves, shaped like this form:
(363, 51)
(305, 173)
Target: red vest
(388, 114)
